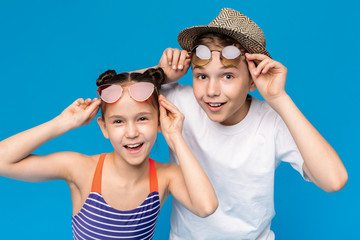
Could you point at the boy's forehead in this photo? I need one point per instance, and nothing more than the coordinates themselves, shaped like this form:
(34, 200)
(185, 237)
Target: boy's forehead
(204, 68)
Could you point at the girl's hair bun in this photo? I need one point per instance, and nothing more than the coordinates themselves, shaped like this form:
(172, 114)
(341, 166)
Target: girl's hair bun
(156, 75)
(106, 77)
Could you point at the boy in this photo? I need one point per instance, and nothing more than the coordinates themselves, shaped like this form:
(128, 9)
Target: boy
(239, 140)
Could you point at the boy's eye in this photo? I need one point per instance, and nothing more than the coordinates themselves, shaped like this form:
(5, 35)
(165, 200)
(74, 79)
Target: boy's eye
(228, 76)
(202, 77)
(143, 119)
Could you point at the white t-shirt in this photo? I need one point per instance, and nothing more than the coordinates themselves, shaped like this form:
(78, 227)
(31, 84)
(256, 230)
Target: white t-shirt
(240, 161)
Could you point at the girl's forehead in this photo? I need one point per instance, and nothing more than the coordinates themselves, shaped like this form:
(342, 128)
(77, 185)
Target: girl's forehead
(127, 106)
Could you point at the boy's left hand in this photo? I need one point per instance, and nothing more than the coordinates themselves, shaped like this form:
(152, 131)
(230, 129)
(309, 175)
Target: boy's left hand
(269, 75)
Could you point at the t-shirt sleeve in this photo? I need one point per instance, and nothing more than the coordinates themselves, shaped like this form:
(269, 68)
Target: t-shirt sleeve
(286, 149)
(170, 90)
(180, 95)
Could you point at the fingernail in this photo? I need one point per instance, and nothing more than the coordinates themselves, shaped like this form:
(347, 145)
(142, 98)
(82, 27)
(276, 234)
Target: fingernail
(180, 66)
(174, 67)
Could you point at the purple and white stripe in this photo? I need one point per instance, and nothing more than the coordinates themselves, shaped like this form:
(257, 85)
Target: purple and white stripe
(98, 220)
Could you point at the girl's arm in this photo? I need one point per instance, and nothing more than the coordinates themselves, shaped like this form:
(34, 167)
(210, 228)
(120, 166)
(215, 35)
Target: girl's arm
(189, 183)
(16, 160)
(321, 163)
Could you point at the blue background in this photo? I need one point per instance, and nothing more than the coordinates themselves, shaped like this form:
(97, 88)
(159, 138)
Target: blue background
(51, 52)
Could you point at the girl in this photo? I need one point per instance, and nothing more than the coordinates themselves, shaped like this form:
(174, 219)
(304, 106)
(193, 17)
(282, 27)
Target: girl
(108, 190)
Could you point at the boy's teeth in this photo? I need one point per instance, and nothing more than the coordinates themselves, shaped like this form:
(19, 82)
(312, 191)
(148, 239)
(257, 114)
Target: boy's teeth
(215, 104)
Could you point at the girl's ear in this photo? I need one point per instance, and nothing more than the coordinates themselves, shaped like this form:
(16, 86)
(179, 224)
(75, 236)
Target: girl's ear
(252, 86)
(102, 125)
(159, 128)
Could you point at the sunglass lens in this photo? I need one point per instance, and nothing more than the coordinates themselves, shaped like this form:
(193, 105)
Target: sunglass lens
(231, 52)
(110, 93)
(141, 91)
(201, 55)
(230, 56)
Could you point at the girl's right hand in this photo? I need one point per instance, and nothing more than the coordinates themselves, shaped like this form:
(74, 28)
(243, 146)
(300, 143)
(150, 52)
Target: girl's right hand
(175, 63)
(80, 112)
(171, 121)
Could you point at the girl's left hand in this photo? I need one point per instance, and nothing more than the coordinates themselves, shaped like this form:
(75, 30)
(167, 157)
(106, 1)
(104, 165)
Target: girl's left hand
(269, 75)
(171, 120)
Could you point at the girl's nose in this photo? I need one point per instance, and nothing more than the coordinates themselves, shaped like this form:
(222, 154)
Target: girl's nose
(132, 130)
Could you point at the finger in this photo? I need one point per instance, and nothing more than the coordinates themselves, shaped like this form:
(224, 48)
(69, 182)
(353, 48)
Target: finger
(85, 103)
(268, 67)
(163, 113)
(252, 67)
(165, 100)
(169, 106)
(256, 56)
(94, 113)
(169, 55)
(78, 102)
(183, 56)
(175, 60)
(93, 106)
(261, 66)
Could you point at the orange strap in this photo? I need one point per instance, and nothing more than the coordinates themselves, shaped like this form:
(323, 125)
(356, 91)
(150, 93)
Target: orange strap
(96, 184)
(153, 177)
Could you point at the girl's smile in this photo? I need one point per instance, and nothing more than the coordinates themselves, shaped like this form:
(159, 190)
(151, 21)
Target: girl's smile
(131, 127)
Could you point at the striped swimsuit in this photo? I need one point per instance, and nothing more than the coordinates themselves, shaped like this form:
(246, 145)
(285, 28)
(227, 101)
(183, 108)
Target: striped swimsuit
(98, 220)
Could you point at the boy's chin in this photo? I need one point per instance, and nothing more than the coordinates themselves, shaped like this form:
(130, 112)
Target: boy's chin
(218, 118)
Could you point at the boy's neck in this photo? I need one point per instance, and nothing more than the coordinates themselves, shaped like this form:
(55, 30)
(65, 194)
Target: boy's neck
(244, 113)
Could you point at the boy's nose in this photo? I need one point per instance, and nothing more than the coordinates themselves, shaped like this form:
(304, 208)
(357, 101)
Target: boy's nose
(131, 130)
(213, 88)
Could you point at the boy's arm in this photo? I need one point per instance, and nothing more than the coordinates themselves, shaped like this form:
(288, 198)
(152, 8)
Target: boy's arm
(174, 62)
(321, 163)
(189, 184)
(16, 160)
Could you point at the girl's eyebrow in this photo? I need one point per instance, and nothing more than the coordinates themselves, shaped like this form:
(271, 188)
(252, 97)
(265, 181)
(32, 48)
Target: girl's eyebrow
(140, 113)
(115, 116)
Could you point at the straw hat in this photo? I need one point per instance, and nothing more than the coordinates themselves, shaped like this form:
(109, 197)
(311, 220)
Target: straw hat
(230, 23)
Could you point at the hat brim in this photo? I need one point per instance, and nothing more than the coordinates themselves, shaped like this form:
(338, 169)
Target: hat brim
(187, 37)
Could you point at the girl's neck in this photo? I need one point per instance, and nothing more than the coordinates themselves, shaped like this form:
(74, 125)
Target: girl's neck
(130, 174)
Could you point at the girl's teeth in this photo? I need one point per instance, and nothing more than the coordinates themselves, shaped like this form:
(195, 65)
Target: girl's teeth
(133, 145)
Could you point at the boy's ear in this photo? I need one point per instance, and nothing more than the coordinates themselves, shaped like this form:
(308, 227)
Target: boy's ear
(102, 125)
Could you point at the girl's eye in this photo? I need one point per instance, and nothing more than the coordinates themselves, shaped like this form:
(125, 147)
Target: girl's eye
(117, 121)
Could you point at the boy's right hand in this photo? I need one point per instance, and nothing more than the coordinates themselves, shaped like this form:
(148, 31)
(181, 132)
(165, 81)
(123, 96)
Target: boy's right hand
(80, 112)
(175, 63)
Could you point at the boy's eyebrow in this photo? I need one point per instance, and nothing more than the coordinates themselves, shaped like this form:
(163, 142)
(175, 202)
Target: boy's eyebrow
(223, 67)
(200, 67)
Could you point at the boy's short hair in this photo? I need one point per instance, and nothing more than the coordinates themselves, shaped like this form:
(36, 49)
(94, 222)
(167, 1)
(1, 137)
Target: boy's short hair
(231, 23)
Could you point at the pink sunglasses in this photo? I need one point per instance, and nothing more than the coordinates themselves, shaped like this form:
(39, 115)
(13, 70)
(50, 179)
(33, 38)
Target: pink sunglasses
(140, 92)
